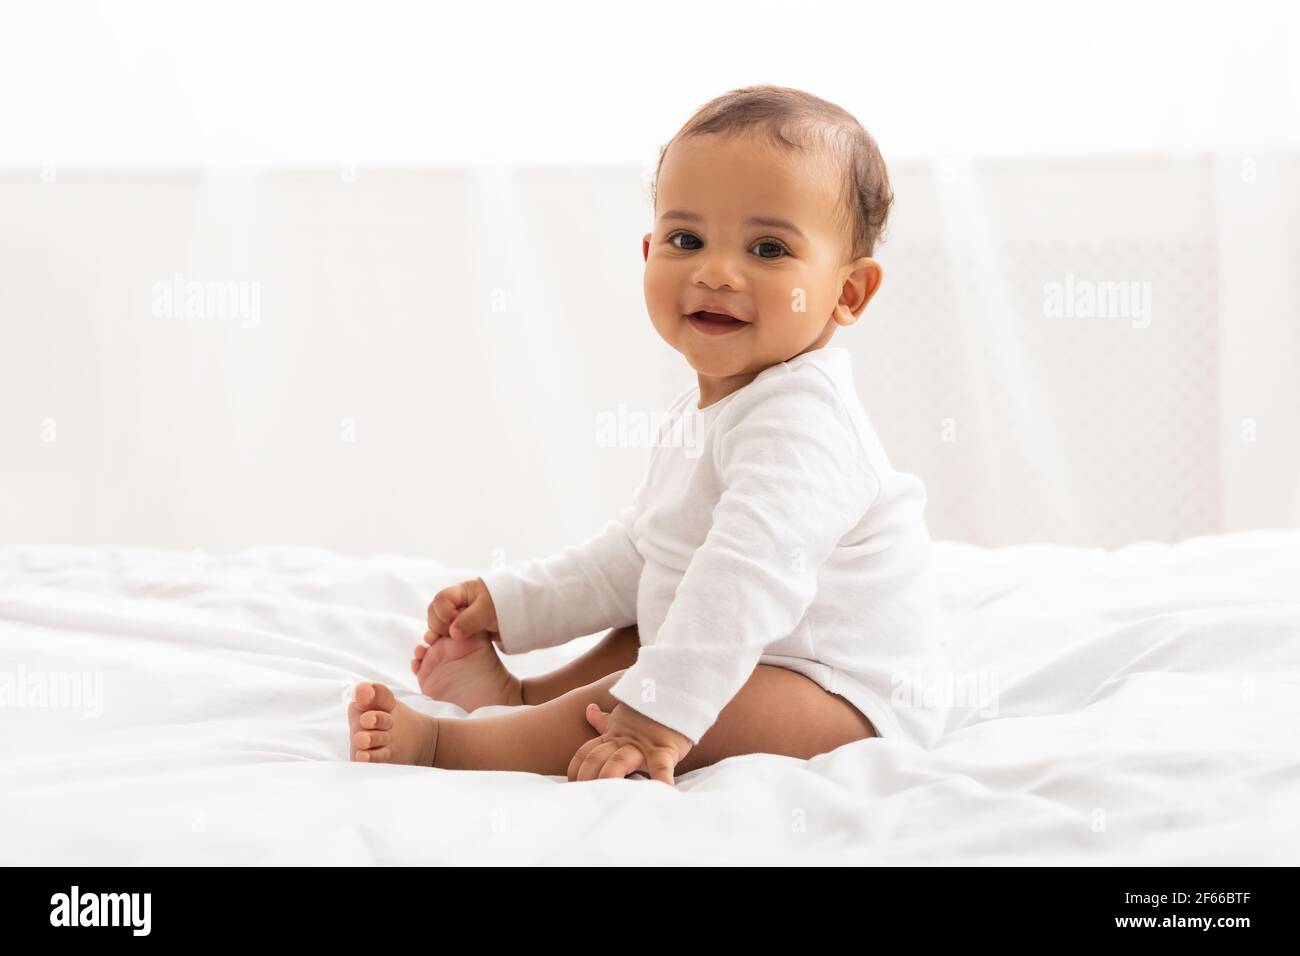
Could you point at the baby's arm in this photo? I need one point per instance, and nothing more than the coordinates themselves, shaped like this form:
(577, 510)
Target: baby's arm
(584, 588)
(797, 480)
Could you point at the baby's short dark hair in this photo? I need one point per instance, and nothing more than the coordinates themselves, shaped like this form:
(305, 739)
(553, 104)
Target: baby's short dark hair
(798, 121)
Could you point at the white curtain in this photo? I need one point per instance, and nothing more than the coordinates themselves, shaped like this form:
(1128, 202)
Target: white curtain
(418, 268)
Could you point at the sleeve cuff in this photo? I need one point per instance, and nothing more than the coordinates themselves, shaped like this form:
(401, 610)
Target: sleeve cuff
(678, 688)
(508, 599)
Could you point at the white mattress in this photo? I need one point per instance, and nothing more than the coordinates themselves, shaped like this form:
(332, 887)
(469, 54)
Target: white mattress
(1147, 711)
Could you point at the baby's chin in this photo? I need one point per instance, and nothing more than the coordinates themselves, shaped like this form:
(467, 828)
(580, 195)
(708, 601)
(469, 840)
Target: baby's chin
(719, 361)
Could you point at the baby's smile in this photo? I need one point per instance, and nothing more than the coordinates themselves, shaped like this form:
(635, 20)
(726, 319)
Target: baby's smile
(716, 320)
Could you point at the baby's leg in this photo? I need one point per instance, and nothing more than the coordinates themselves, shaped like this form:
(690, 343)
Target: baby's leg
(616, 651)
(777, 711)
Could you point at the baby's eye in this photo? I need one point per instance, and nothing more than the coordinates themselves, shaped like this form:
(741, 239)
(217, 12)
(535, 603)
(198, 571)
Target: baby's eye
(683, 235)
(771, 243)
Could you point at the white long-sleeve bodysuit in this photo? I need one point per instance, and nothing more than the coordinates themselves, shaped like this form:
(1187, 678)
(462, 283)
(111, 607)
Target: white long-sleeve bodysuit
(770, 528)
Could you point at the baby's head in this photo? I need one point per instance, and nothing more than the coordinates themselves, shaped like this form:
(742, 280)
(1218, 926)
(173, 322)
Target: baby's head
(768, 205)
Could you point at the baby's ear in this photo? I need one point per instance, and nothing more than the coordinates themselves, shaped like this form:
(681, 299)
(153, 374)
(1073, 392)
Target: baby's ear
(645, 245)
(862, 282)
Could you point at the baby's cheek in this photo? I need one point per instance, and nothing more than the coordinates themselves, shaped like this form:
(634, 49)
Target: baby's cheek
(659, 292)
(780, 299)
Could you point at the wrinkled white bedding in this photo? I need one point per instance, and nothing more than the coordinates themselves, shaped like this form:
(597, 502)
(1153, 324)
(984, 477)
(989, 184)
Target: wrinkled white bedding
(1134, 706)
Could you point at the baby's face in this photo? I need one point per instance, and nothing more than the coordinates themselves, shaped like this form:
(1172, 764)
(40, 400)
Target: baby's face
(788, 279)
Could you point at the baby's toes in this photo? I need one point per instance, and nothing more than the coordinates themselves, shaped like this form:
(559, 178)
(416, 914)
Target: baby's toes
(372, 696)
(379, 755)
(371, 739)
(376, 720)
(354, 725)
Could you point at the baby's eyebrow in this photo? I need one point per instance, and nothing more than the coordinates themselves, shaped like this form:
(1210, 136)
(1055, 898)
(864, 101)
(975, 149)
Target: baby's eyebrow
(771, 221)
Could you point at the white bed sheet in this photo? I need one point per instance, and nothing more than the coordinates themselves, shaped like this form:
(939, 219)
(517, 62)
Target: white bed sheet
(1147, 709)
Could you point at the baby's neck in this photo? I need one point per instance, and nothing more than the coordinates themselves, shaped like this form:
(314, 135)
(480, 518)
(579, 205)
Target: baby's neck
(714, 389)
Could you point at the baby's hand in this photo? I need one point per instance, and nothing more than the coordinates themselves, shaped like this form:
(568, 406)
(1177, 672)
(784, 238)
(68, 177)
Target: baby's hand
(461, 611)
(456, 661)
(628, 741)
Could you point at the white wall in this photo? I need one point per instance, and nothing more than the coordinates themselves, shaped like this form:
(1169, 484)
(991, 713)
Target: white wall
(407, 83)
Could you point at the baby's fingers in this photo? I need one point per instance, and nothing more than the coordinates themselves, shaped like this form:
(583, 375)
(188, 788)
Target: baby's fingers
(444, 607)
(597, 752)
(626, 760)
(578, 757)
(660, 766)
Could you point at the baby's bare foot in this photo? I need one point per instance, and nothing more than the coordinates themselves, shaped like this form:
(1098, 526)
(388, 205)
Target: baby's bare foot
(383, 730)
(466, 671)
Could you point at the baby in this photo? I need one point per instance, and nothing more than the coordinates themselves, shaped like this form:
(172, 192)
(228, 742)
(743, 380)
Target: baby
(769, 588)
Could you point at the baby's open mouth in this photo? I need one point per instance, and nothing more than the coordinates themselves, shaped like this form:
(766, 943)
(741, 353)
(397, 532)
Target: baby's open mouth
(715, 322)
